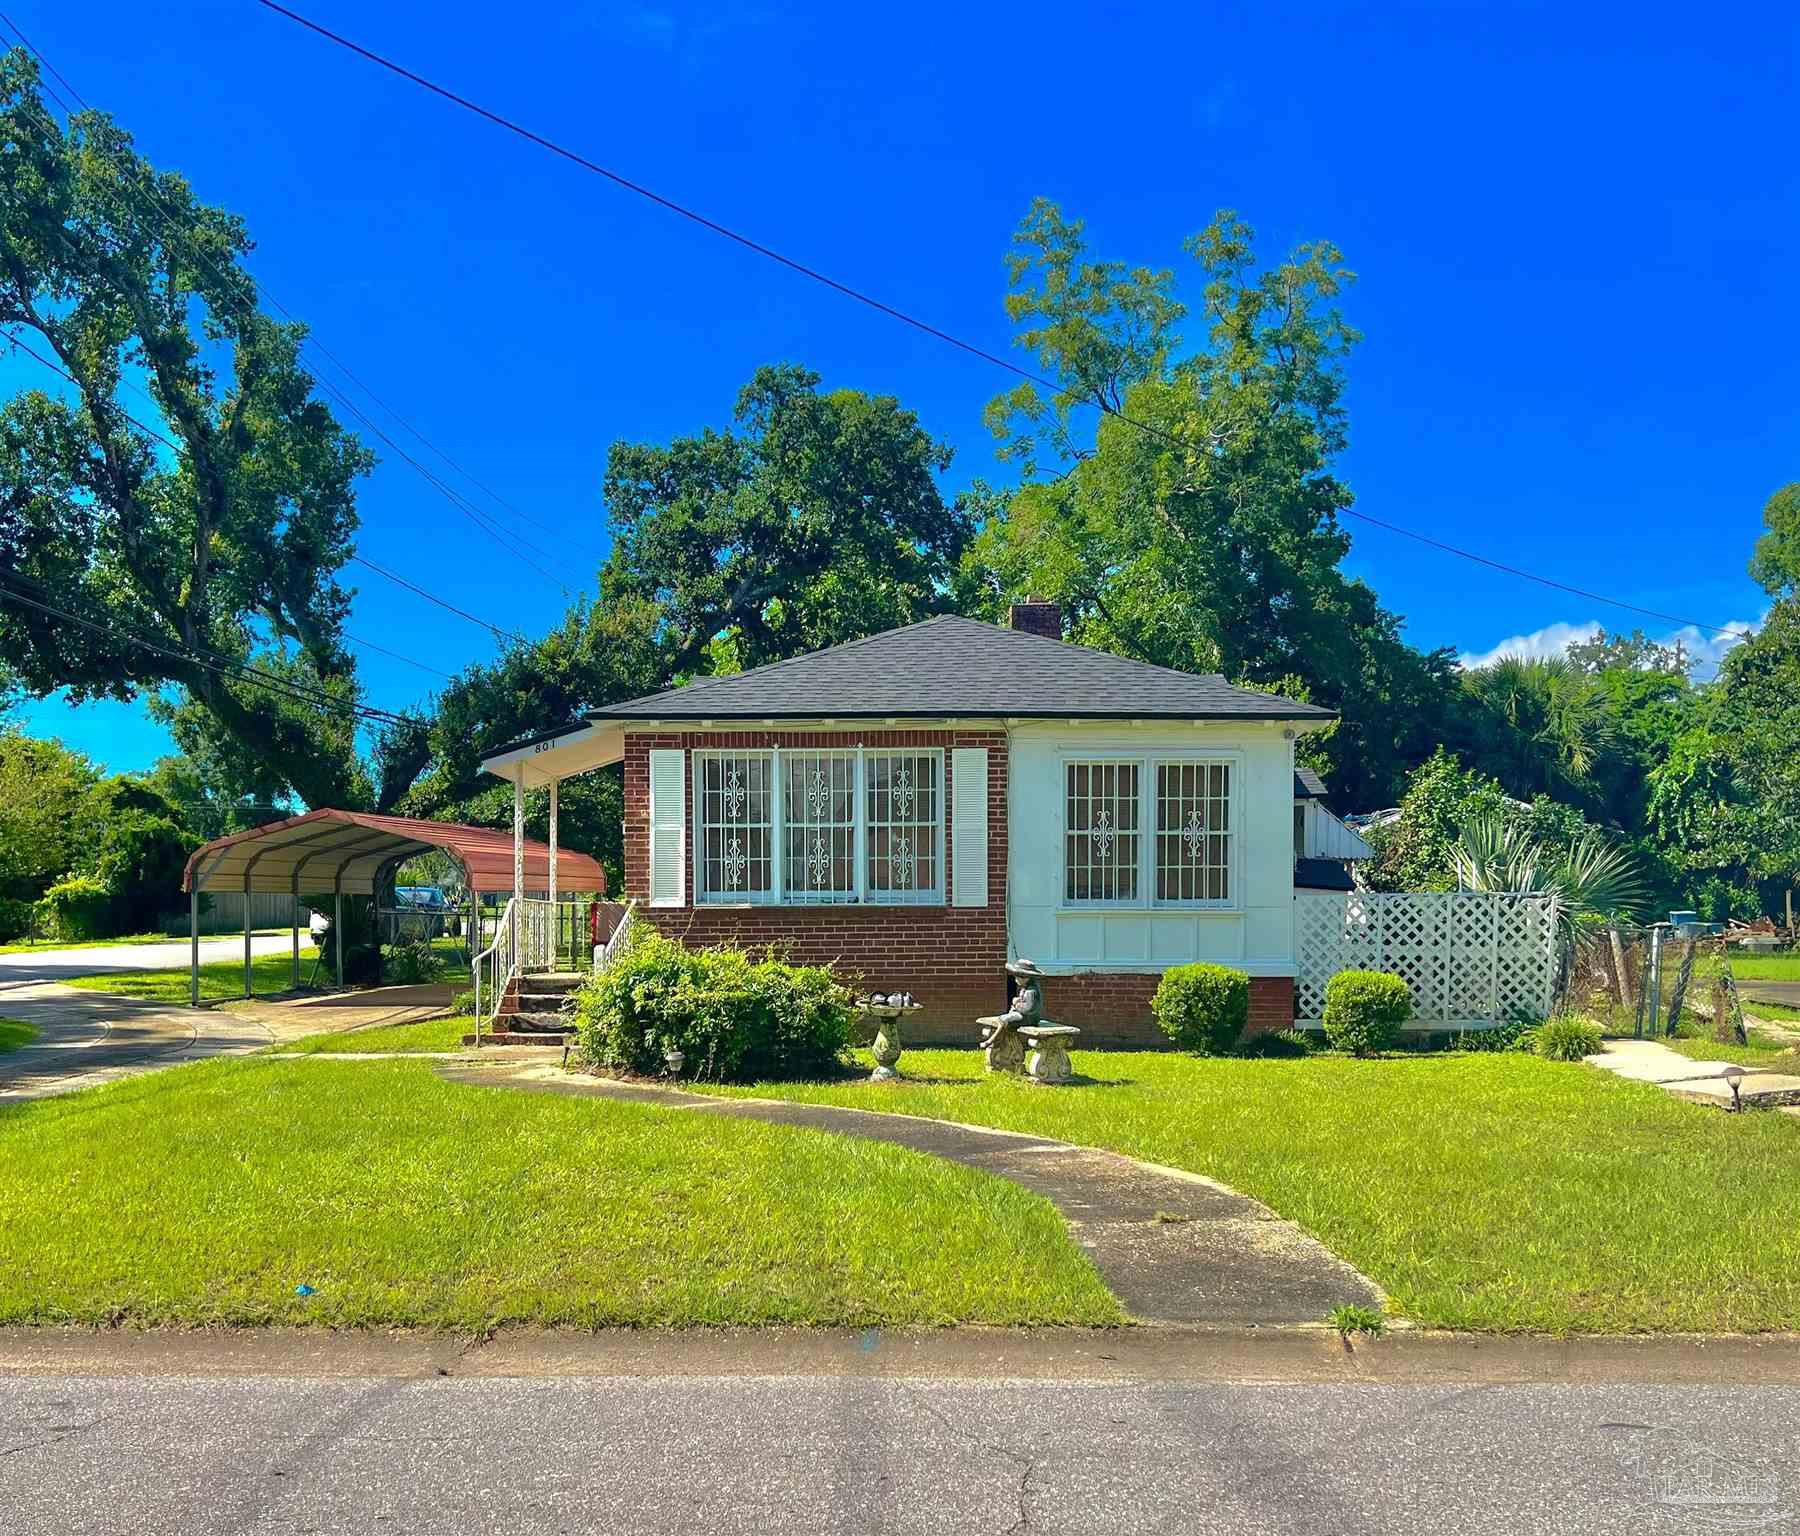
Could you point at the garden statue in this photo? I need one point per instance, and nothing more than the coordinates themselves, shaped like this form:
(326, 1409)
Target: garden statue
(887, 1010)
(1023, 1026)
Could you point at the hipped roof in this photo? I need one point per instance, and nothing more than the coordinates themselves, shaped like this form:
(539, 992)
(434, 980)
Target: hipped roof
(324, 844)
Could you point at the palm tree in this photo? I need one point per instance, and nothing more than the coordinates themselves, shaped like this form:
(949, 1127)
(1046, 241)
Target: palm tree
(1594, 880)
(1560, 724)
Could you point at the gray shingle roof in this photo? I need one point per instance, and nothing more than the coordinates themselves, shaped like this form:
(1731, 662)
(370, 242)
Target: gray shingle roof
(1308, 785)
(955, 667)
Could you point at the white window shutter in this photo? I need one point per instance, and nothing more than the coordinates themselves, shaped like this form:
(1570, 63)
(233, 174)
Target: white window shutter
(969, 826)
(668, 827)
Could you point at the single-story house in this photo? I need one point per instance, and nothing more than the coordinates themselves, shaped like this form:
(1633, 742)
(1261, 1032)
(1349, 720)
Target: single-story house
(925, 804)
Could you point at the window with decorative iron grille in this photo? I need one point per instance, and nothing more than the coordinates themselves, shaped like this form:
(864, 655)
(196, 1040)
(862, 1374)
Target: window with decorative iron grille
(734, 813)
(1102, 845)
(1193, 832)
(903, 806)
(818, 813)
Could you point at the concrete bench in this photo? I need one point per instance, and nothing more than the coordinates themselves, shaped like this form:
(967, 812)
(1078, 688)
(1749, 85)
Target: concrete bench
(1049, 1058)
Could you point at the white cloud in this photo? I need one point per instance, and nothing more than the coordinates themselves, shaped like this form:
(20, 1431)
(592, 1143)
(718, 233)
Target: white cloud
(1706, 647)
(1540, 644)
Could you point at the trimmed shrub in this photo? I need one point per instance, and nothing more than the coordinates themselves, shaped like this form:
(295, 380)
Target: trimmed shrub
(1202, 1008)
(1365, 1010)
(734, 1018)
(76, 908)
(1567, 1037)
(410, 965)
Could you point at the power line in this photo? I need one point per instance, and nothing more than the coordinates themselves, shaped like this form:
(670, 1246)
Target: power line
(370, 645)
(432, 597)
(514, 543)
(813, 274)
(296, 692)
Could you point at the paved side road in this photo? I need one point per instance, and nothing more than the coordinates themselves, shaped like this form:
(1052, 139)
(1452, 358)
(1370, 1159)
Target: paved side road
(660, 1454)
(101, 959)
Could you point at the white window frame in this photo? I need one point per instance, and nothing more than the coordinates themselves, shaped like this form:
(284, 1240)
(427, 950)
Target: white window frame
(1147, 763)
(703, 897)
(777, 895)
(784, 760)
(1116, 761)
(919, 896)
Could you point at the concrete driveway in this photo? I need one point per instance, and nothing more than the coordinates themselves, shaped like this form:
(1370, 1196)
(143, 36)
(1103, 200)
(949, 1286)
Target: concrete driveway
(60, 964)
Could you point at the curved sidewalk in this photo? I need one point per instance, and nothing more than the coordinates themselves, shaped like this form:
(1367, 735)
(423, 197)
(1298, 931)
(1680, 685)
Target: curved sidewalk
(1172, 1246)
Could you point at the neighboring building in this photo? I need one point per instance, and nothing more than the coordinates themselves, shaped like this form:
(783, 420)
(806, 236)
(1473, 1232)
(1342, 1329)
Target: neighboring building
(1324, 846)
(922, 805)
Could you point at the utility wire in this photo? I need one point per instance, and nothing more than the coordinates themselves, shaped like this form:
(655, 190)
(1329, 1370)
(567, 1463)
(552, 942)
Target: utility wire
(295, 692)
(813, 274)
(509, 540)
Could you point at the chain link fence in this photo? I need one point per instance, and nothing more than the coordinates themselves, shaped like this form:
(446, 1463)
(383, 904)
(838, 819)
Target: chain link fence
(1652, 982)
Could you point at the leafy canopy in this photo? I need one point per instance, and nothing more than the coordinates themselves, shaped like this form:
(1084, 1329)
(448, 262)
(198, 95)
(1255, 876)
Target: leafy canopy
(225, 544)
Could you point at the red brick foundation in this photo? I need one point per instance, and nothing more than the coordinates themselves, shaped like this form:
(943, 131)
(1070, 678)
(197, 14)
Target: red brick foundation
(1111, 1008)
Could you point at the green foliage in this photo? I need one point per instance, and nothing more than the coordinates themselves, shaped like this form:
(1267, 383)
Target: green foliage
(1567, 1037)
(1593, 879)
(1514, 1034)
(1775, 566)
(736, 1019)
(1416, 852)
(462, 1005)
(409, 965)
(1203, 1009)
(1276, 1045)
(1211, 542)
(75, 908)
(15, 918)
(234, 533)
(1365, 1011)
(43, 812)
(138, 852)
(362, 965)
(817, 520)
(1348, 1317)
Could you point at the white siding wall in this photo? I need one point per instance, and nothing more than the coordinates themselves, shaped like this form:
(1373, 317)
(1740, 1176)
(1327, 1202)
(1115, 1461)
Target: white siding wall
(1256, 932)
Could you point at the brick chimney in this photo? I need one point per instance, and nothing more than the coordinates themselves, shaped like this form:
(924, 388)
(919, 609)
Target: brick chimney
(1034, 616)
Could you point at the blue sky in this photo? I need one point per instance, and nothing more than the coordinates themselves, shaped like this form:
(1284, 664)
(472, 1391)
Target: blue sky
(1574, 229)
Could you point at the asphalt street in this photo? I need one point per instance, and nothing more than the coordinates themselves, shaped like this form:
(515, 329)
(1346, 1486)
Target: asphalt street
(135, 1455)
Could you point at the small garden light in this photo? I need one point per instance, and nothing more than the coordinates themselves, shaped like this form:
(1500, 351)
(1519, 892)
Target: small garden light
(1734, 1075)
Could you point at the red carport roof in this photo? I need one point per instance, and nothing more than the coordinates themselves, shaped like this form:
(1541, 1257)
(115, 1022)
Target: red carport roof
(321, 845)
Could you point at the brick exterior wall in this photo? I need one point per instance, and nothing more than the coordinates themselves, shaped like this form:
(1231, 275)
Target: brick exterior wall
(953, 957)
(1112, 1008)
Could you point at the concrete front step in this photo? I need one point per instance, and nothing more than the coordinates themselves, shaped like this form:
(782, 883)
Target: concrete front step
(519, 1037)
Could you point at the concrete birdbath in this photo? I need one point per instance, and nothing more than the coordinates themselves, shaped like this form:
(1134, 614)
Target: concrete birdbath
(886, 1012)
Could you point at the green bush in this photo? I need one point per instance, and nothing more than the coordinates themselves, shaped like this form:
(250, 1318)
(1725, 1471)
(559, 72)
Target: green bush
(1365, 1011)
(1567, 1037)
(362, 965)
(1512, 1034)
(15, 919)
(410, 965)
(1202, 1008)
(75, 908)
(734, 1018)
(462, 1005)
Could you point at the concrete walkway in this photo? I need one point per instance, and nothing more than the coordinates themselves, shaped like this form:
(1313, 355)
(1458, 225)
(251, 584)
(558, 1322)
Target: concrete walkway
(1703, 1082)
(335, 1012)
(1172, 1246)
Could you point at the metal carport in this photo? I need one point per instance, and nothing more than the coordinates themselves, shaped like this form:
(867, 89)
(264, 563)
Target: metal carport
(355, 852)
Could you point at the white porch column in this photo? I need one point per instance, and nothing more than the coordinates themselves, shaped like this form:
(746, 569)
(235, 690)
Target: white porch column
(519, 838)
(555, 785)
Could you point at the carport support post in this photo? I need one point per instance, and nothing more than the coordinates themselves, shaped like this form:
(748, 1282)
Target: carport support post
(337, 923)
(295, 985)
(246, 933)
(194, 945)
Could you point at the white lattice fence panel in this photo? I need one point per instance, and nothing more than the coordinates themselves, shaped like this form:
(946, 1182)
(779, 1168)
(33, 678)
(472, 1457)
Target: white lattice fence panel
(1470, 957)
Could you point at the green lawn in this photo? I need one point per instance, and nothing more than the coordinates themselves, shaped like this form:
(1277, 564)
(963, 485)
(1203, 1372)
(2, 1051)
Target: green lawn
(1481, 1190)
(1782, 967)
(15, 1033)
(1762, 1051)
(218, 978)
(427, 1035)
(208, 1193)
